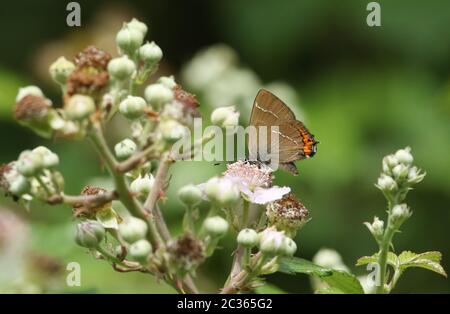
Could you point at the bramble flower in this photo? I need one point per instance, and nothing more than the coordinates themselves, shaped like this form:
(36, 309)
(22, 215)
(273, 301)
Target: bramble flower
(287, 214)
(386, 183)
(12, 181)
(158, 94)
(254, 180)
(121, 68)
(79, 107)
(376, 228)
(225, 117)
(143, 184)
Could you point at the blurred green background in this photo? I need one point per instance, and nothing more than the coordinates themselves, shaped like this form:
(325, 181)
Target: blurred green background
(364, 92)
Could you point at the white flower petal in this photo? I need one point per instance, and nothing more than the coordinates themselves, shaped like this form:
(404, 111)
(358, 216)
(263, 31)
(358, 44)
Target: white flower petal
(263, 196)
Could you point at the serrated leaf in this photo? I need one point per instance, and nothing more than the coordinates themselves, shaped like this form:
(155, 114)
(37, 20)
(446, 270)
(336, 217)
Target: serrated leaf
(336, 279)
(391, 260)
(428, 260)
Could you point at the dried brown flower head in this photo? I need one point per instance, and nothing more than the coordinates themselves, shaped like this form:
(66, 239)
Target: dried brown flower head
(84, 210)
(93, 57)
(32, 108)
(287, 213)
(186, 252)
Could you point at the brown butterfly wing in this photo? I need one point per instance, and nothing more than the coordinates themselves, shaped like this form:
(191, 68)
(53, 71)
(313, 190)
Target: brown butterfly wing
(269, 110)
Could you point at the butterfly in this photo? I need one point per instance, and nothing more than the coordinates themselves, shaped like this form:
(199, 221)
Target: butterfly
(295, 142)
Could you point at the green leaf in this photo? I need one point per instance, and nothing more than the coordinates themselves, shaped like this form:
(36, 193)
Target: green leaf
(268, 288)
(336, 279)
(428, 260)
(329, 290)
(391, 260)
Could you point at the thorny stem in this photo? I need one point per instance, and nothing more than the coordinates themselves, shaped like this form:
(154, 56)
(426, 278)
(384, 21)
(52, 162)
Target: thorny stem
(85, 200)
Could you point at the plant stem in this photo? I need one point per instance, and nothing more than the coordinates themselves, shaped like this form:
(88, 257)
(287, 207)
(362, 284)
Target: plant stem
(384, 250)
(120, 183)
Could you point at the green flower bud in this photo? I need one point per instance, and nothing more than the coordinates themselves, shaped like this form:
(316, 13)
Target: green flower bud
(404, 156)
(376, 228)
(133, 229)
(386, 183)
(400, 171)
(399, 214)
(172, 130)
(29, 90)
(19, 185)
(158, 94)
(225, 117)
(216, 226)
(415, 175)
(248, 238)
(129, 39)
(49, 158)
(167, 81)
(125, 149)
(89, 234)
(29, 163)
(79, 107)
(222, 191)
(140, 250)
(190, 195)
(289, 247)
(271, 242)
(61, 69)
(138, 25)
(150, 53)
(121, 68)
(132, 107)
(142, 185)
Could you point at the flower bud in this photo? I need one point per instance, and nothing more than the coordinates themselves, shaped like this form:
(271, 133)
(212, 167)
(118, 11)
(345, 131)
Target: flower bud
(129, 38)
(49, 158)
(404, 156)
(376, 228)
(222, 191)
(138, 25)
(225, 117)
(140, 250)
(142, 185)
(389, 162)
(329, 258)
(29, 164)
(150, 53)
(79, 107)
(125, 149)
(29, 90)
(89, 234)
(248, 238)
(216, 226)
(132, 107)
(289, 247)
(172, 130)
(271, 242)
(400, 171)
(168, 81)
(399, 214)
(133, 229)
(190, 195)
(61, 69)
(158, 94)
(121, 68)
(19, 185)
(415, 175)
(386, 183)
